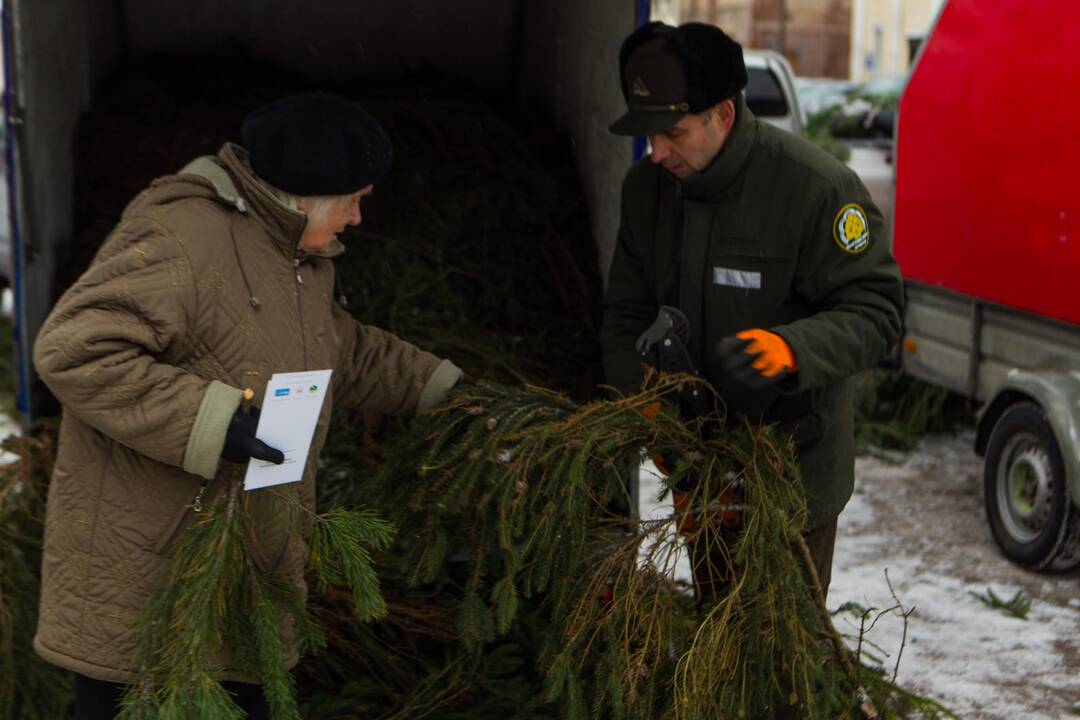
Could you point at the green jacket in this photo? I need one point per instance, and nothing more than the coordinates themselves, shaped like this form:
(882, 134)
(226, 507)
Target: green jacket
(772, 235)
(198, 292)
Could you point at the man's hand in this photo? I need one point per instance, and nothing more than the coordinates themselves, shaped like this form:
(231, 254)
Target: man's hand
(241, 444)
(756, 358)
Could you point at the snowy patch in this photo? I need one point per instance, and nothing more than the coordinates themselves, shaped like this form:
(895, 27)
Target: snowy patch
(923, 520)
(921, 517)
(8, 427)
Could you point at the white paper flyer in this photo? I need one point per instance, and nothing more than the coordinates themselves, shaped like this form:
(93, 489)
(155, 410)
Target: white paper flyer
(287, 422)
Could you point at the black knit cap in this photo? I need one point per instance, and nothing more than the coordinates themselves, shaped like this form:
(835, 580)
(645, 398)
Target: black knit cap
(668, 72)
(316, 144)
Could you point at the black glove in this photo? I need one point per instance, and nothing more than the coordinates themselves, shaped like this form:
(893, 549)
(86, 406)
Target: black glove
(241, 443)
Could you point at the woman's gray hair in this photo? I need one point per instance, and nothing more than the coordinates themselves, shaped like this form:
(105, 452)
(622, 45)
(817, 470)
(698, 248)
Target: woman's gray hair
(317, 208)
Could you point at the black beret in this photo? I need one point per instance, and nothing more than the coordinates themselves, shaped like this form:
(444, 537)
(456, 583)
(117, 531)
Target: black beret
(316, 144)
(667, 72)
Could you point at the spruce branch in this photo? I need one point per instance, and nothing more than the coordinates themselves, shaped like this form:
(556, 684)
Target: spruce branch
(219, 610)
(1017, 606)
(340, 554)
(866, 705)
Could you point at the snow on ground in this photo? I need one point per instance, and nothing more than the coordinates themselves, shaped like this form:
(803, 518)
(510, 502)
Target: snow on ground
(923, 519)
(920, 516)
(8, 427)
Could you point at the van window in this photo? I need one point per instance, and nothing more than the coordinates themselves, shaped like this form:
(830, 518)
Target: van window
(764, 94)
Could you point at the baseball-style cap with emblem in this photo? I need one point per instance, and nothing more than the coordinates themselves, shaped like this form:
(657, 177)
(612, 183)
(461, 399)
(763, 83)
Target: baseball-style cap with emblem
(667, 72)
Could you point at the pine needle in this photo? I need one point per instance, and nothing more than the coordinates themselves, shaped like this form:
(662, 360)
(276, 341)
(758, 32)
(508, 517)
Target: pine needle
(218, 610)
(1017, 606)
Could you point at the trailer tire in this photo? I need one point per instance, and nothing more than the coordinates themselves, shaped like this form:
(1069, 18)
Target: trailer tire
(1027, 500)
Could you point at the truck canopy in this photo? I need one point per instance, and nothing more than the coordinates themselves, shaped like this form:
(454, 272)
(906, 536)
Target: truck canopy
(558, 55)
(987, 149)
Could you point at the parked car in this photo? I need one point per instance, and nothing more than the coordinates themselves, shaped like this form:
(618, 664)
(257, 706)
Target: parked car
(770, 92)
(819, 94)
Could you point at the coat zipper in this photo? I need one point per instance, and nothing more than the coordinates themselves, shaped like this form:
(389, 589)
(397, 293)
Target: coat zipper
(182, 520)
(196, 504)
(299, 304)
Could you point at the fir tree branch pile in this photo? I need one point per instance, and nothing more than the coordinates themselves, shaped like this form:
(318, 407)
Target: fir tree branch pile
(612, 638)
(526, 487)
(511, 509)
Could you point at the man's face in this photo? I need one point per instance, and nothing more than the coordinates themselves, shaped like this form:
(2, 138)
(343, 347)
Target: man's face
(693, 143)
(322, 229)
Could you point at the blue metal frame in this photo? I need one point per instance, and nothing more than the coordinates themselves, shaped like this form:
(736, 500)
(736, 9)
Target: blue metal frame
(644, 11)
(22, 387)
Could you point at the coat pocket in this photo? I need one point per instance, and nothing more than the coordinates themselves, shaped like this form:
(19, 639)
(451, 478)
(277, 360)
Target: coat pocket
(805, 432)
(746, 291)
(181, 520)
(274, 513)
(800, 417)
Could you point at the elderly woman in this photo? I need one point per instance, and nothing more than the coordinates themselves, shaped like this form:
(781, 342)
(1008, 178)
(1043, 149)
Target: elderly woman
(214, 279)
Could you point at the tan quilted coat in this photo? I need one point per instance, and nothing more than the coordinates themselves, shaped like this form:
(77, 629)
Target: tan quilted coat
(200, 291)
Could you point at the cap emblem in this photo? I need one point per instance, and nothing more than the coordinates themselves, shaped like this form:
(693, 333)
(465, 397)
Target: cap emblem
(639, 88)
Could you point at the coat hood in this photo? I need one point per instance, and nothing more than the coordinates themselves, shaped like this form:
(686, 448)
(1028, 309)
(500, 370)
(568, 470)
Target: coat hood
(227, 178)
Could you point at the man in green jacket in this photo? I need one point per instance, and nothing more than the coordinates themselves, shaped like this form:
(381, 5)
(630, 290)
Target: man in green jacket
(772, 249)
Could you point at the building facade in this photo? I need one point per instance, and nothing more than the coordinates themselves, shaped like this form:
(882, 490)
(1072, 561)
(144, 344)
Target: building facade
(814, 35)
(886, 35)
(845, 39)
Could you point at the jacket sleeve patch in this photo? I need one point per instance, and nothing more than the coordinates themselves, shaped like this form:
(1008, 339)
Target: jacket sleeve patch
(851, 229)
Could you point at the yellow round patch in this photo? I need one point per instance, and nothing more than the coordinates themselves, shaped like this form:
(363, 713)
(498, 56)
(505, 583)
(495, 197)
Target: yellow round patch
(851, 229)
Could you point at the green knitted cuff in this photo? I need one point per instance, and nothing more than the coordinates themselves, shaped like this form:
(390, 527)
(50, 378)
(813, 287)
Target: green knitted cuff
(446, 376)
(207, 437)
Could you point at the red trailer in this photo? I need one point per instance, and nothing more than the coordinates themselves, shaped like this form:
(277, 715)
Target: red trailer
(987, 234)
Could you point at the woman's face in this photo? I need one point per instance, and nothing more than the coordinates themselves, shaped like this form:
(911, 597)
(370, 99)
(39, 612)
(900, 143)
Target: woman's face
(321, 231)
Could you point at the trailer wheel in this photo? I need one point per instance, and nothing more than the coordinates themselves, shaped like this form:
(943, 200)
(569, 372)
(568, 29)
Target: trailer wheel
(1027, 501)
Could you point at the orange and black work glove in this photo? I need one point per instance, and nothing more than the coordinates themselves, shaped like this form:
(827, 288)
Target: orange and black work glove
(756, 358)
